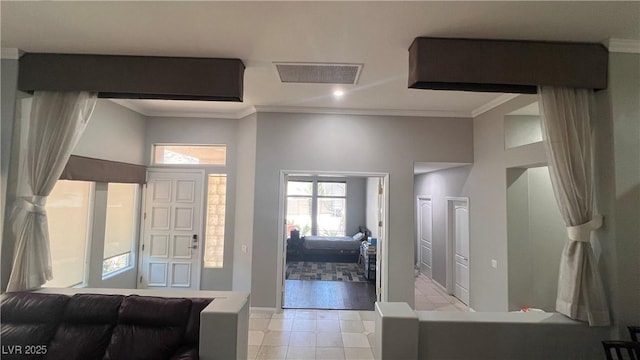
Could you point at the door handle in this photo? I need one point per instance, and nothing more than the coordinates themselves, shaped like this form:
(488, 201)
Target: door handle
(193, 247)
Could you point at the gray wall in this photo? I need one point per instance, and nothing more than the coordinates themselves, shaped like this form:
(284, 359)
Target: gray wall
(8, 95)
(617, 150)
(486, 188)
(624, 78)
(439, 185)
(246, 170)
(205, 131)
(349, 143)
(536, 237)
(113, 133)
(521, 130)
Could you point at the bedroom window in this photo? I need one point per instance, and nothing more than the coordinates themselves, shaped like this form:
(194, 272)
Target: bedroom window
(331, 208)
(299, 206)
(316, 207)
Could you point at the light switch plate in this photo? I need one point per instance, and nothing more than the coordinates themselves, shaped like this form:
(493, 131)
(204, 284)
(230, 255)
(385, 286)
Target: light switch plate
(494, 263)
(244, 248)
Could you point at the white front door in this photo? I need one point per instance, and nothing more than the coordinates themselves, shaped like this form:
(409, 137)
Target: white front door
(172, 230)
(461, 244)
(425, 235)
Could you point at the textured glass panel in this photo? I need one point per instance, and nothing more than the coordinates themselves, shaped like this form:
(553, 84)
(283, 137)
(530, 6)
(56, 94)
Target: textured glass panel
(190, 154)
(216, 207)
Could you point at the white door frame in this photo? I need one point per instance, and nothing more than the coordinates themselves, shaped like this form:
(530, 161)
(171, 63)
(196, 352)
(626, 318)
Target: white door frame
(450, 243)
(382, 245)
(419, 233)
(201, 233)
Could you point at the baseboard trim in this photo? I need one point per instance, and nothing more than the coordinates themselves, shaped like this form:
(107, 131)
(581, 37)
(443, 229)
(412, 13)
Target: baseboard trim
(264, 309)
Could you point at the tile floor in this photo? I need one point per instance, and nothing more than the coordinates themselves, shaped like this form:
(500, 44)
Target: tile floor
(311, 334)
(429, 296)
(331, 334)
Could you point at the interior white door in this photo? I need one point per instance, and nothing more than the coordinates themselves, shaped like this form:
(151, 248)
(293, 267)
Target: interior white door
(461, 243)
(425, 234)
(172, 230)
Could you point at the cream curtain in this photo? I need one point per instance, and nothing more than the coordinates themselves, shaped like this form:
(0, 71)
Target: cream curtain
(567, 138)
(55, 124)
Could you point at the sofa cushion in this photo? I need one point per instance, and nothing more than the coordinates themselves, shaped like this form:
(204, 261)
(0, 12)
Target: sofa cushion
(148, 328)
(86, 327)
(29, 319)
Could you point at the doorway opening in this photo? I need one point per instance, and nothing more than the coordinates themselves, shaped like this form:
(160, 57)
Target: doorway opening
(332, 240)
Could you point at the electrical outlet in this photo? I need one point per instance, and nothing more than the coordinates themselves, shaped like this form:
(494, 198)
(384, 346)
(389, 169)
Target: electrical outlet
(494, 263)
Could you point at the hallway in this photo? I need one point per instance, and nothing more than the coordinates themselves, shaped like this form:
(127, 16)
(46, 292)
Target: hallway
(429, 296)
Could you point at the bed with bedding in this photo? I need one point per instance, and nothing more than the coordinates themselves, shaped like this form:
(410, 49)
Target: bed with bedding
(346, 247)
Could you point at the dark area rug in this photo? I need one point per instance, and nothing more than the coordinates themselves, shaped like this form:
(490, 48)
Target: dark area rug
(330, 271)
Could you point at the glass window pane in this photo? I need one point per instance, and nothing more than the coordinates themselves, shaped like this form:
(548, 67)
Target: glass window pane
(300, 188)
(68, 209)
(332, 189)
(331, 216)
(120, 227)
(299, 215)
(190, 154)
(216, 208)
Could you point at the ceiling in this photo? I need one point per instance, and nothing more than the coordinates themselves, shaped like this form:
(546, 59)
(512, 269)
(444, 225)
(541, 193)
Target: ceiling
(376, 34)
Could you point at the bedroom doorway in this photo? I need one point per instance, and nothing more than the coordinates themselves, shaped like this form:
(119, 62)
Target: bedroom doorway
(332, 240)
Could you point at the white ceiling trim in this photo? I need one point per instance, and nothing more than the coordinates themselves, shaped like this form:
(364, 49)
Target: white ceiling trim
(10, 53)
(623, 46)
(376, 112)
(293, 109)
(493, 104)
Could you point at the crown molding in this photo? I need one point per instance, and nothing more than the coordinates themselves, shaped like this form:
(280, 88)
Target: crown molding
(374, 112)
(293, 109)
(493, 104)
(623, 46)
(10, 53)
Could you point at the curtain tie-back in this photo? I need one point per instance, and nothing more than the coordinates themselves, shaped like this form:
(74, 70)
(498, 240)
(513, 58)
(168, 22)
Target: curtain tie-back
(35, 204)
(583, 232)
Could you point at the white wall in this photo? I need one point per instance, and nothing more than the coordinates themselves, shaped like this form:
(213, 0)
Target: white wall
(113, 133)
(318, 142)
(205, 131)
(439, 185)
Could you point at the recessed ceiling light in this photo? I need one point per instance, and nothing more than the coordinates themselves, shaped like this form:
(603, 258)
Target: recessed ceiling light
(338, 93)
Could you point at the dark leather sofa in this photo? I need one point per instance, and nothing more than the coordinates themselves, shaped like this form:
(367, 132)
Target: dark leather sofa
(93, 326)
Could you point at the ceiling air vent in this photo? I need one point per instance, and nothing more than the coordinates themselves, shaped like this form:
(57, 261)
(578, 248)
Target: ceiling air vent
(319, 73)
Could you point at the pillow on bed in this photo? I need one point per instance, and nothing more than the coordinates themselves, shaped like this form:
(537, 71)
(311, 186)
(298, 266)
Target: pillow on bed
(358, 236)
